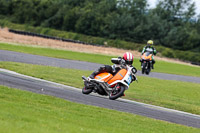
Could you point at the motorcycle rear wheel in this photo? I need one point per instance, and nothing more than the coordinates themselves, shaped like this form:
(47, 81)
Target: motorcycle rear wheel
(113, 95)
(86, 91)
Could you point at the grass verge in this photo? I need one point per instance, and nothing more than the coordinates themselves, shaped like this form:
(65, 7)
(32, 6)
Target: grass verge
(160, 66)
(171, 94)
(23, 111)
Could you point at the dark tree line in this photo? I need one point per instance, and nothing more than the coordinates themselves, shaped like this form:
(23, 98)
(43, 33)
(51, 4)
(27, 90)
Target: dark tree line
(170, 24)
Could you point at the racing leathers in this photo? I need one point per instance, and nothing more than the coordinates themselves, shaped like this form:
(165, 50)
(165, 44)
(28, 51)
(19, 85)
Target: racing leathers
(152, 50)
(110, 69)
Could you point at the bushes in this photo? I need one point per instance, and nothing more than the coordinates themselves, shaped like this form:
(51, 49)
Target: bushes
(70, 35)
(167, 52)
(187, 56)
(182, 55)
(170, 23)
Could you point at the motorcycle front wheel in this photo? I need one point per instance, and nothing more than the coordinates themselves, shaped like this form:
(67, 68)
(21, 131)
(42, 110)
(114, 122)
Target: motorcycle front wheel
(143, 67)
(117, 92)
(148, 69)
(86, 90)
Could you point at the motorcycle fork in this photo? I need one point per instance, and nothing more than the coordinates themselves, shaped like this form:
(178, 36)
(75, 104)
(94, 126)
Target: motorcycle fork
(106, 88)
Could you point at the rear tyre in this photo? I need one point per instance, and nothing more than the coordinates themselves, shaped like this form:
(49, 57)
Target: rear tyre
(117, 92)
(86, 91)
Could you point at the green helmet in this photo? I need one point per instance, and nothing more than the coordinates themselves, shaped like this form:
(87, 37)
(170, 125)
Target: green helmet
(150, 43)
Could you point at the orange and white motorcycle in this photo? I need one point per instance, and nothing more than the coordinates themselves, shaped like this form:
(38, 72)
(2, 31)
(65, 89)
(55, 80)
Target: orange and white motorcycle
(109, 85)
(146, 62)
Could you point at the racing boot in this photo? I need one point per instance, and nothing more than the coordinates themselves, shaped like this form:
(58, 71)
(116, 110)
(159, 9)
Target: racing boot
(105, 68)
(97, 72)
(93, 74)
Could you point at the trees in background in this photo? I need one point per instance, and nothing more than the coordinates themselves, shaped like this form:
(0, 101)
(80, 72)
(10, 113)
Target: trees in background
(170, 24)
(176, 24)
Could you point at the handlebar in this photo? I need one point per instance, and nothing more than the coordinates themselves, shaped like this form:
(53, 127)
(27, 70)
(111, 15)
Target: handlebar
(134, 70)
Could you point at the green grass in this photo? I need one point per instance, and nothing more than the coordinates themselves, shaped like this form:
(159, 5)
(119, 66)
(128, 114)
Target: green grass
(160, 66)
(171, 94)
(177, 95)
(23, 111)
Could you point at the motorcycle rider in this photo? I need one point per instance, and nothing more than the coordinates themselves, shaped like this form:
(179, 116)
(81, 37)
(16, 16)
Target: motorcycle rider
(151, 49)
(127, 59)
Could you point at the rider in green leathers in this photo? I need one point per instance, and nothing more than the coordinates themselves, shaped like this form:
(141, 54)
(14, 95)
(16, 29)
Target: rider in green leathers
(151, 49)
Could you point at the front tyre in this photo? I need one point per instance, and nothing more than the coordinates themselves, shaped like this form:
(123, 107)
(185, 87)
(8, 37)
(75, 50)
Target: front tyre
(148, 69)
(143, 67)
(86, 91)
(147, 72)
(117, 92)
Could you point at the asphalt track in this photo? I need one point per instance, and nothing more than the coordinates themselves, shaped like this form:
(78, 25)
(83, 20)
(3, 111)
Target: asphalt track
(49, 61)
(12, 79)
(15, 80)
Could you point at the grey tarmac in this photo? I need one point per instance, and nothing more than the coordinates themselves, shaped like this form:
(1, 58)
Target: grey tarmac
(81, 65)
(12, 79)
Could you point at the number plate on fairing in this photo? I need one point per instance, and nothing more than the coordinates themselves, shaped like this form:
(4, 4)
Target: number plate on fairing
(129, 80)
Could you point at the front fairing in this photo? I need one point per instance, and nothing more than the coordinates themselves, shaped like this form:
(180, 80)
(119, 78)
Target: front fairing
(147, 56)
(127, 79)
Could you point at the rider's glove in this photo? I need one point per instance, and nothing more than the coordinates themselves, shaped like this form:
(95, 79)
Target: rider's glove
(122, 61)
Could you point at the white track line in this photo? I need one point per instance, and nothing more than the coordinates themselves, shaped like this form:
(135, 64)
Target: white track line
(120, 99)
(37, 79)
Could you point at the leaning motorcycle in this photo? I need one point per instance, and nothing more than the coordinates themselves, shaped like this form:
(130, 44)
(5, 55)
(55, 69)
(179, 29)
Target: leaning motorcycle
(110, 85)
(146, 62)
